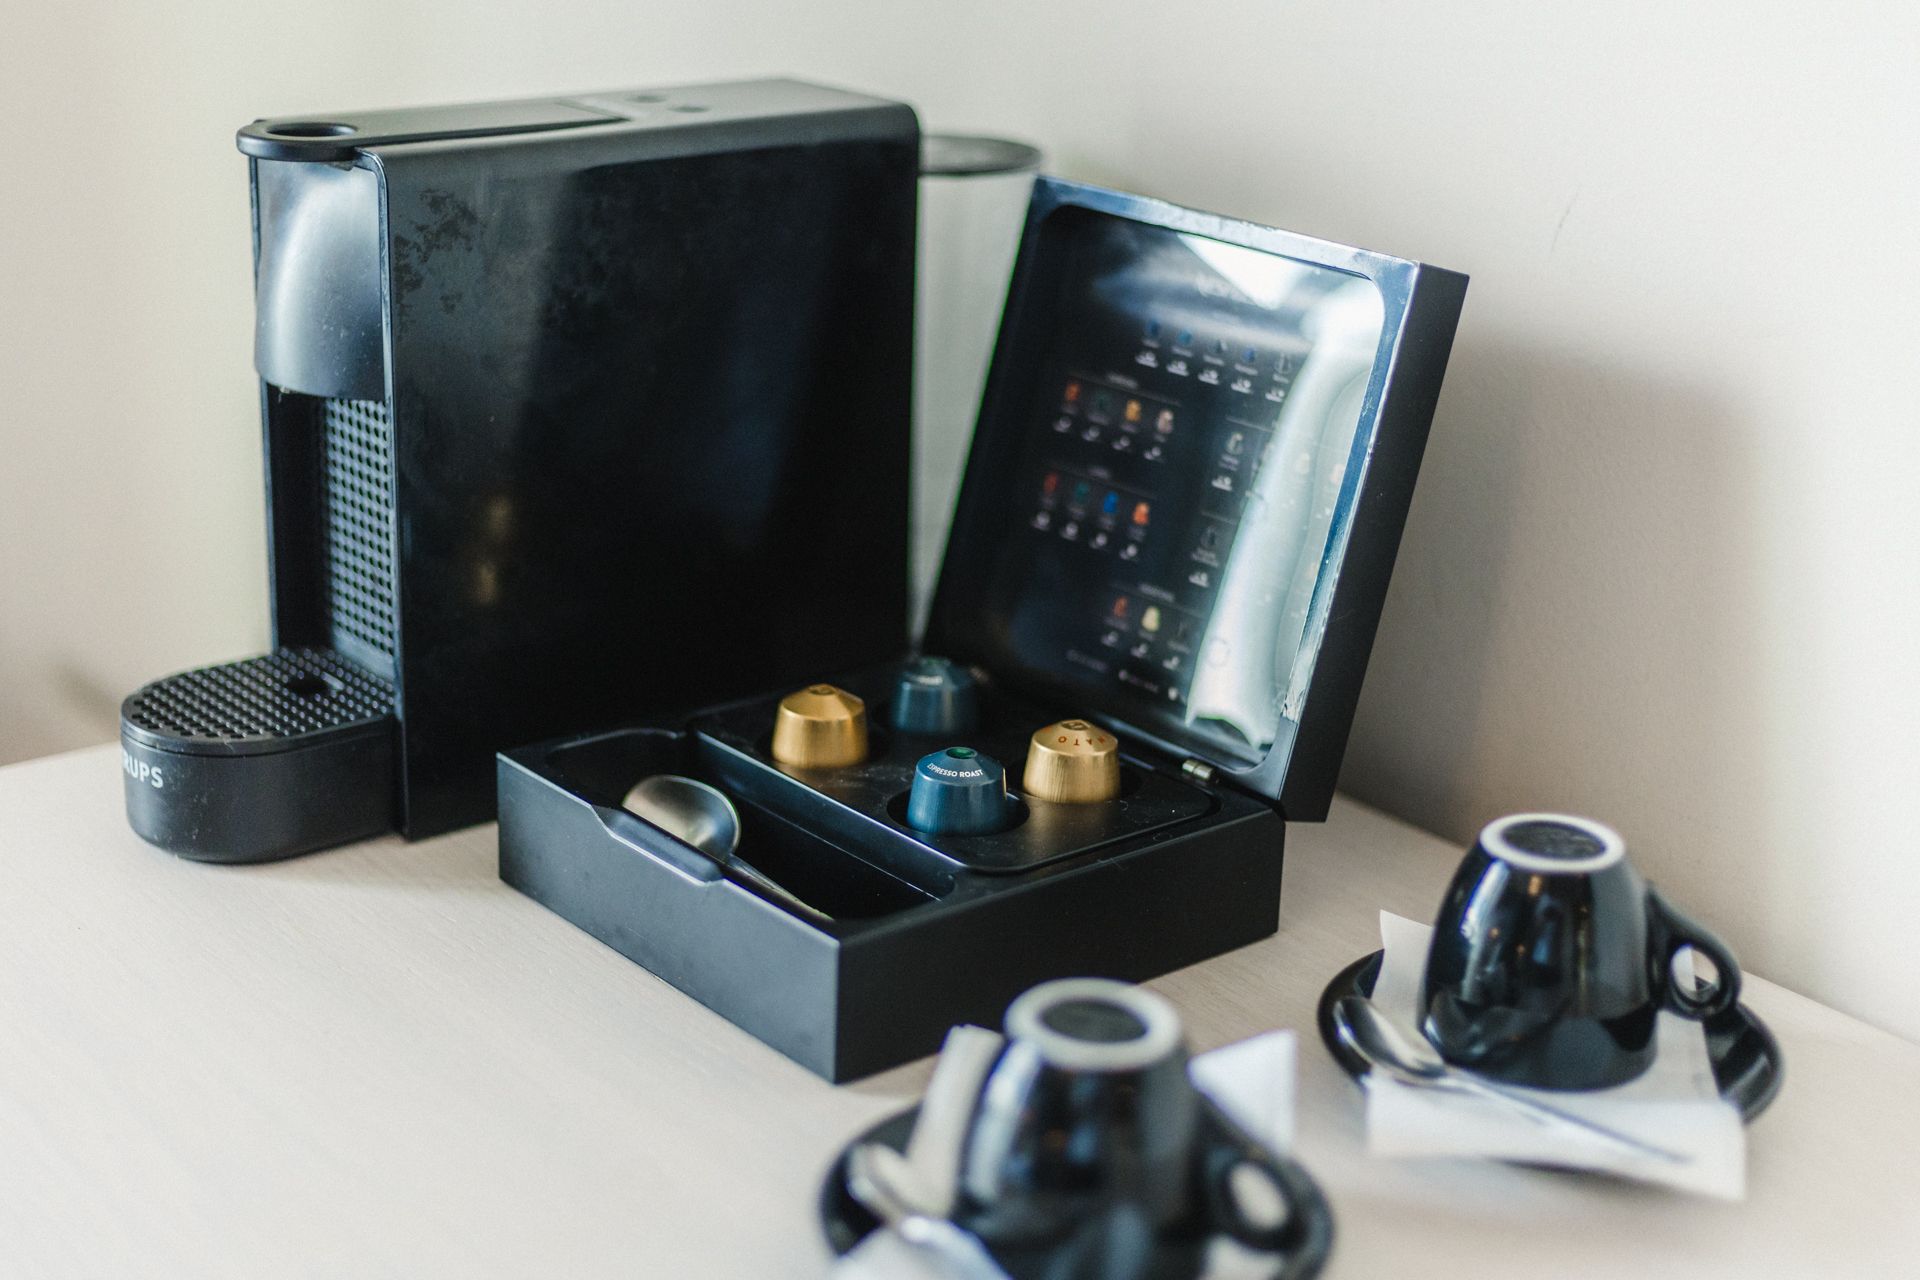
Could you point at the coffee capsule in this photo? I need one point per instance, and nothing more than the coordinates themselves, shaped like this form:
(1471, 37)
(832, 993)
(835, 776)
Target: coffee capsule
(1073, 762)
(820, 727)
(936, 696)
(959, 792)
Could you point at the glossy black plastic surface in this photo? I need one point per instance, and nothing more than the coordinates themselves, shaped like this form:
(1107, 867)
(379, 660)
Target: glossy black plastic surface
(317, 284)
(1555, 981)
(1175, 1254)
(1046, 590)
(1748, 1066)
(647, 382)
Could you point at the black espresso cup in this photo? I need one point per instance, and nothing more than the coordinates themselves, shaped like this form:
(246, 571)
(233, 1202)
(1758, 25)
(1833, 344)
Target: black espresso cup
(1552, 958)
(1091, 1156)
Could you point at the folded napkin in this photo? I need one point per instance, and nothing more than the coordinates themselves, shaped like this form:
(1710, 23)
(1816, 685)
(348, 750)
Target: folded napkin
(1252, 1081)
(1675, 1105)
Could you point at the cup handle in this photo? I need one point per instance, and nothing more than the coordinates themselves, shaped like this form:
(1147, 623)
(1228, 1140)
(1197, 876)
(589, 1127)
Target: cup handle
(1676, 933)
(1302, 1235)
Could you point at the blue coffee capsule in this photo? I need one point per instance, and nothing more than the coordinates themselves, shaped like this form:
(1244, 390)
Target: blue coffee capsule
(959, 792)
(936, 696)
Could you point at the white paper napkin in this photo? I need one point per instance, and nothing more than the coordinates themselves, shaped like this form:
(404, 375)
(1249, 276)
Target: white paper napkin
(1251, 1080)
(886, 1254)
(1675, 1105)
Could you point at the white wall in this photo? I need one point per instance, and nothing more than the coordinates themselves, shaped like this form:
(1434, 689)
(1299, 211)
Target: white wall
(1665, 559)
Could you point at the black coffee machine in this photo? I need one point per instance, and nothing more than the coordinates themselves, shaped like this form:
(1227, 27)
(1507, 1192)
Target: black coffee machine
(576, 409)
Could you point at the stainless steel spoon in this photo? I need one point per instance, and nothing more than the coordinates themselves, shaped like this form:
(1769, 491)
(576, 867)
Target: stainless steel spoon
(1407, 1057)
(883, 1182)
(703, 816)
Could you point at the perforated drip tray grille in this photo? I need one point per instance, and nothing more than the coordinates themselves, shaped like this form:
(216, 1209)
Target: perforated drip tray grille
(357, 482)
(259, 704)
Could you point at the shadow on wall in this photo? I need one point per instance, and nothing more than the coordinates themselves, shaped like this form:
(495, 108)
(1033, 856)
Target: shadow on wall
(72, 705)
(1570, 624)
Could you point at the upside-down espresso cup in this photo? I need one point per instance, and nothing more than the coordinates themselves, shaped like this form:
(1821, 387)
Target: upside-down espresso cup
(1084, 1158)
(1552, 958)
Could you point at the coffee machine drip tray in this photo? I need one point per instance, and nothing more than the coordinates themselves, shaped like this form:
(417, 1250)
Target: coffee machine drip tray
(262, 758)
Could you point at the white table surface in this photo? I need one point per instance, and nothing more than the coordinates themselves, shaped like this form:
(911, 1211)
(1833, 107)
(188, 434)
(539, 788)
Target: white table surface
(380, 1061)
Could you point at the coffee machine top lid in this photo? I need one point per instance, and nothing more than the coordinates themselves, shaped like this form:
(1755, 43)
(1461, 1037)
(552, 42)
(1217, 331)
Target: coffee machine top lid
(1193, 461)
(341, 137)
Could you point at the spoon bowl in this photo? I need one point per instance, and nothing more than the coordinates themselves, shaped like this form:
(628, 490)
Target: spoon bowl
(689, 810)
(703, 816)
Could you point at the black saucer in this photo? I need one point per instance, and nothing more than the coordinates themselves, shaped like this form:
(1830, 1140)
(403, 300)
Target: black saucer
(1747, 1065)
(846, 1222)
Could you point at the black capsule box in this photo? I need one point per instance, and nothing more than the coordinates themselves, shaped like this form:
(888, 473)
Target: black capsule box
(1192, 465)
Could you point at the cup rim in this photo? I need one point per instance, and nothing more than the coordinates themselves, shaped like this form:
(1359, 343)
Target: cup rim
(1157, 1015)
(1493, 839)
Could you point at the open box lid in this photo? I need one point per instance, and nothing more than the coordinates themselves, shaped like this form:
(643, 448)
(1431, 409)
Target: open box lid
(1193, 462)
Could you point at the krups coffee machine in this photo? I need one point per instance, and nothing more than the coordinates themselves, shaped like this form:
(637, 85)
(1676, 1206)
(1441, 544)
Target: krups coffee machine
(576, 409)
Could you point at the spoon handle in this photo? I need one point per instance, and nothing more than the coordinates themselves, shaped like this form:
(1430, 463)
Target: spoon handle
(774, 889)
(1542, 1110)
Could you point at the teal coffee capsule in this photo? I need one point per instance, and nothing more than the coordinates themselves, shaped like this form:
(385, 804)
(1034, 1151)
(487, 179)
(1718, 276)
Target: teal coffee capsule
(936, 696)
(959, 792)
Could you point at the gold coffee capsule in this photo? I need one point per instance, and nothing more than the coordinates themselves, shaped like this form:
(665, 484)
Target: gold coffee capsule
(1073, 762)
(820, 727)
